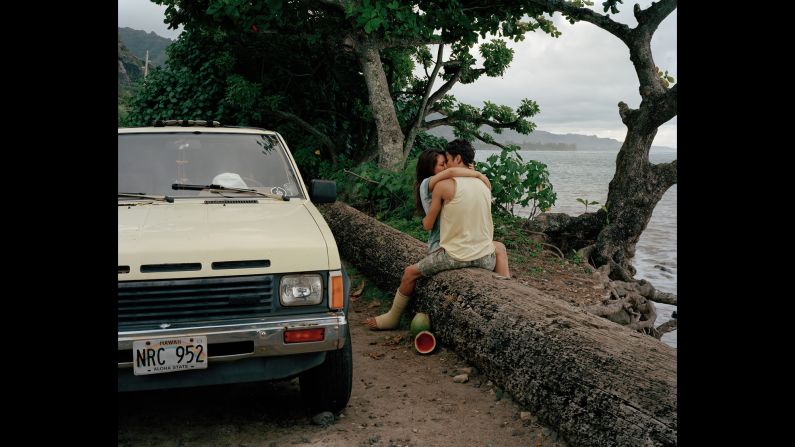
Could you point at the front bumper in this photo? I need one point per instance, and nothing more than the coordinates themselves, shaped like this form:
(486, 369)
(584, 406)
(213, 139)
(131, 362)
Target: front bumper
(248, 351)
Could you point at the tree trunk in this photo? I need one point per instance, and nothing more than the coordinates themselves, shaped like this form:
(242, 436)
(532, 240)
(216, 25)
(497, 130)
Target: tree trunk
(390, 136)
(633, 193)
(594, 381)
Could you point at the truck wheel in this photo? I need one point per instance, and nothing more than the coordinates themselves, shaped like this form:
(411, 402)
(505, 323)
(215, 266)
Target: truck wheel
(327, 387)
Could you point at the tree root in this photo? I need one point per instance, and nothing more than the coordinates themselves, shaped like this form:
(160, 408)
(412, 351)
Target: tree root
(556, 248)
(664, 328)
(630, 302)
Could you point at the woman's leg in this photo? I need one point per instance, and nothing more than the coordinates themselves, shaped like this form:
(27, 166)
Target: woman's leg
(501, 266)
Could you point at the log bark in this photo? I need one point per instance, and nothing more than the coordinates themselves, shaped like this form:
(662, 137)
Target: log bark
(596, 382)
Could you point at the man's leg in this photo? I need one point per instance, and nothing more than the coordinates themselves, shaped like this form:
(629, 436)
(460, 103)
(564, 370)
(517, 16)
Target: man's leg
(391, 319)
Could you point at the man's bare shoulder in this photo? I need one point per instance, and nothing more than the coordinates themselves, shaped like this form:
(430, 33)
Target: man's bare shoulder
(445, 187)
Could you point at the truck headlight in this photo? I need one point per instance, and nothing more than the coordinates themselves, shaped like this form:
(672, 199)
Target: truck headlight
(301, 290)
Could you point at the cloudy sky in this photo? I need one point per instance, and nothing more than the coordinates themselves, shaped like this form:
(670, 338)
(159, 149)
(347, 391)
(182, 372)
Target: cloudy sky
(577, 79)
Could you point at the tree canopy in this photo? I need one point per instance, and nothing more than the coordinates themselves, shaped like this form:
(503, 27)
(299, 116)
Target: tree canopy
(339, 76)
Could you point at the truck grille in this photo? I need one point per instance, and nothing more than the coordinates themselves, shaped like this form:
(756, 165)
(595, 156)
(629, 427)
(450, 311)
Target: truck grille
(189, 300)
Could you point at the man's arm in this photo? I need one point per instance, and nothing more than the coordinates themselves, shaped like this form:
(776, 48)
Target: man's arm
(445, 191)
(457, 172)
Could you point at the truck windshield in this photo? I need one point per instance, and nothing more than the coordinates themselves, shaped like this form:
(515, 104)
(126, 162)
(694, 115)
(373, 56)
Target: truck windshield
(149, 163)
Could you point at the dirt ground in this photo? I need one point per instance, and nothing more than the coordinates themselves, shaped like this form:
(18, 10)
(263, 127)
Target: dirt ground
(577, 284)
(399, 398)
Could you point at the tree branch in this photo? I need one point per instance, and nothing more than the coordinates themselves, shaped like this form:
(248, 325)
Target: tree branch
(309, 128)
(664, 107)
(666, 173)
(412, 133)
(479, 137)
(617, 29)
(336, 3)
(626, 113)
(449, 120)
(649, 19)
(433, 40)
(438, 94)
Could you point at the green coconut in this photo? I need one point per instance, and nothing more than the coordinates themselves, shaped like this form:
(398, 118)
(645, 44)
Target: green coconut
(420, 323)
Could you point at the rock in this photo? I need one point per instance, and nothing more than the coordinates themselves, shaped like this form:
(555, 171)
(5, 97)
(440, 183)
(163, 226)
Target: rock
(663, 268)
(461, 378)
(374, 439)
(525, 415)
(323, 419)
(467, 370)
(517, 432)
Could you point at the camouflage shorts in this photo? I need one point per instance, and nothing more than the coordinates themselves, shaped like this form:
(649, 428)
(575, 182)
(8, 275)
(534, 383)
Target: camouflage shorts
(439, 261)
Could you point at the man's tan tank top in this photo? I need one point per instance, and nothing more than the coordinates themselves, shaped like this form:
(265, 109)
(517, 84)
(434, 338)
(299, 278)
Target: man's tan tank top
(466, 226)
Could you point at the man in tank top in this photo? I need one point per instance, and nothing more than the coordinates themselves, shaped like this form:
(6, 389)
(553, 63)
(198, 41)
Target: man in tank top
(466, 232)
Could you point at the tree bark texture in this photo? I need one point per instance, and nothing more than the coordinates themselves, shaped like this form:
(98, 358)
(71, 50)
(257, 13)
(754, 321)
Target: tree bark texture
(597, 382)
(390, 135)
(633, 194)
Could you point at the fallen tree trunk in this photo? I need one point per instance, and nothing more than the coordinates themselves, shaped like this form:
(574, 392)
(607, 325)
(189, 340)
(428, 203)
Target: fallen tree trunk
(598, 383)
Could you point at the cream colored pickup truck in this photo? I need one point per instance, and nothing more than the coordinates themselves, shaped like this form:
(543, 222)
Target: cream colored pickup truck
(227, 271)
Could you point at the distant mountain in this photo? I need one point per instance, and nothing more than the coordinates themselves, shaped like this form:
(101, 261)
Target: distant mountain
(139, 41)
(541, 140)
(130, 68)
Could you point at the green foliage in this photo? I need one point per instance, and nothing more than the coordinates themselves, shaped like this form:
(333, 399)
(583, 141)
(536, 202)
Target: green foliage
(574, 257)
(586, 202)
(516, 182)
(191, 87)
(280, 65)
(425, 141)
(373, 190)
(412, 227)
(242, 98)
(611, 5)
(395, 19)
(384, 194)
(508, 229)
(665, 79)
(496, 57)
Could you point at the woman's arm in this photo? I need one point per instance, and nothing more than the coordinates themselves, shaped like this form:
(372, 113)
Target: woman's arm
(457, 172)
(437, 202)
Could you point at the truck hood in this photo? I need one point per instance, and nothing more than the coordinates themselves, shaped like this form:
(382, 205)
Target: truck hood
(192, 232)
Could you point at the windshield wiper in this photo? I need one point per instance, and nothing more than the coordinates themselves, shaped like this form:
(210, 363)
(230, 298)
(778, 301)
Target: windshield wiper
(219, 188)
(139, 195)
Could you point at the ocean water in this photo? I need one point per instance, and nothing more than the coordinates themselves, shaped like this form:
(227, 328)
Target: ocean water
(586, 175)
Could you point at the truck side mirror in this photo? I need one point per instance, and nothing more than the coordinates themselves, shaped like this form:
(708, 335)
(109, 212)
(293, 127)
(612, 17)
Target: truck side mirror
(323, 191)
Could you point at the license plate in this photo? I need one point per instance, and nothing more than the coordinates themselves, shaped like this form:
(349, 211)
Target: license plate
(166, 355)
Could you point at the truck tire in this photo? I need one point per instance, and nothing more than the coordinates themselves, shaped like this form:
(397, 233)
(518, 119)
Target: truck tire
(327, 387)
